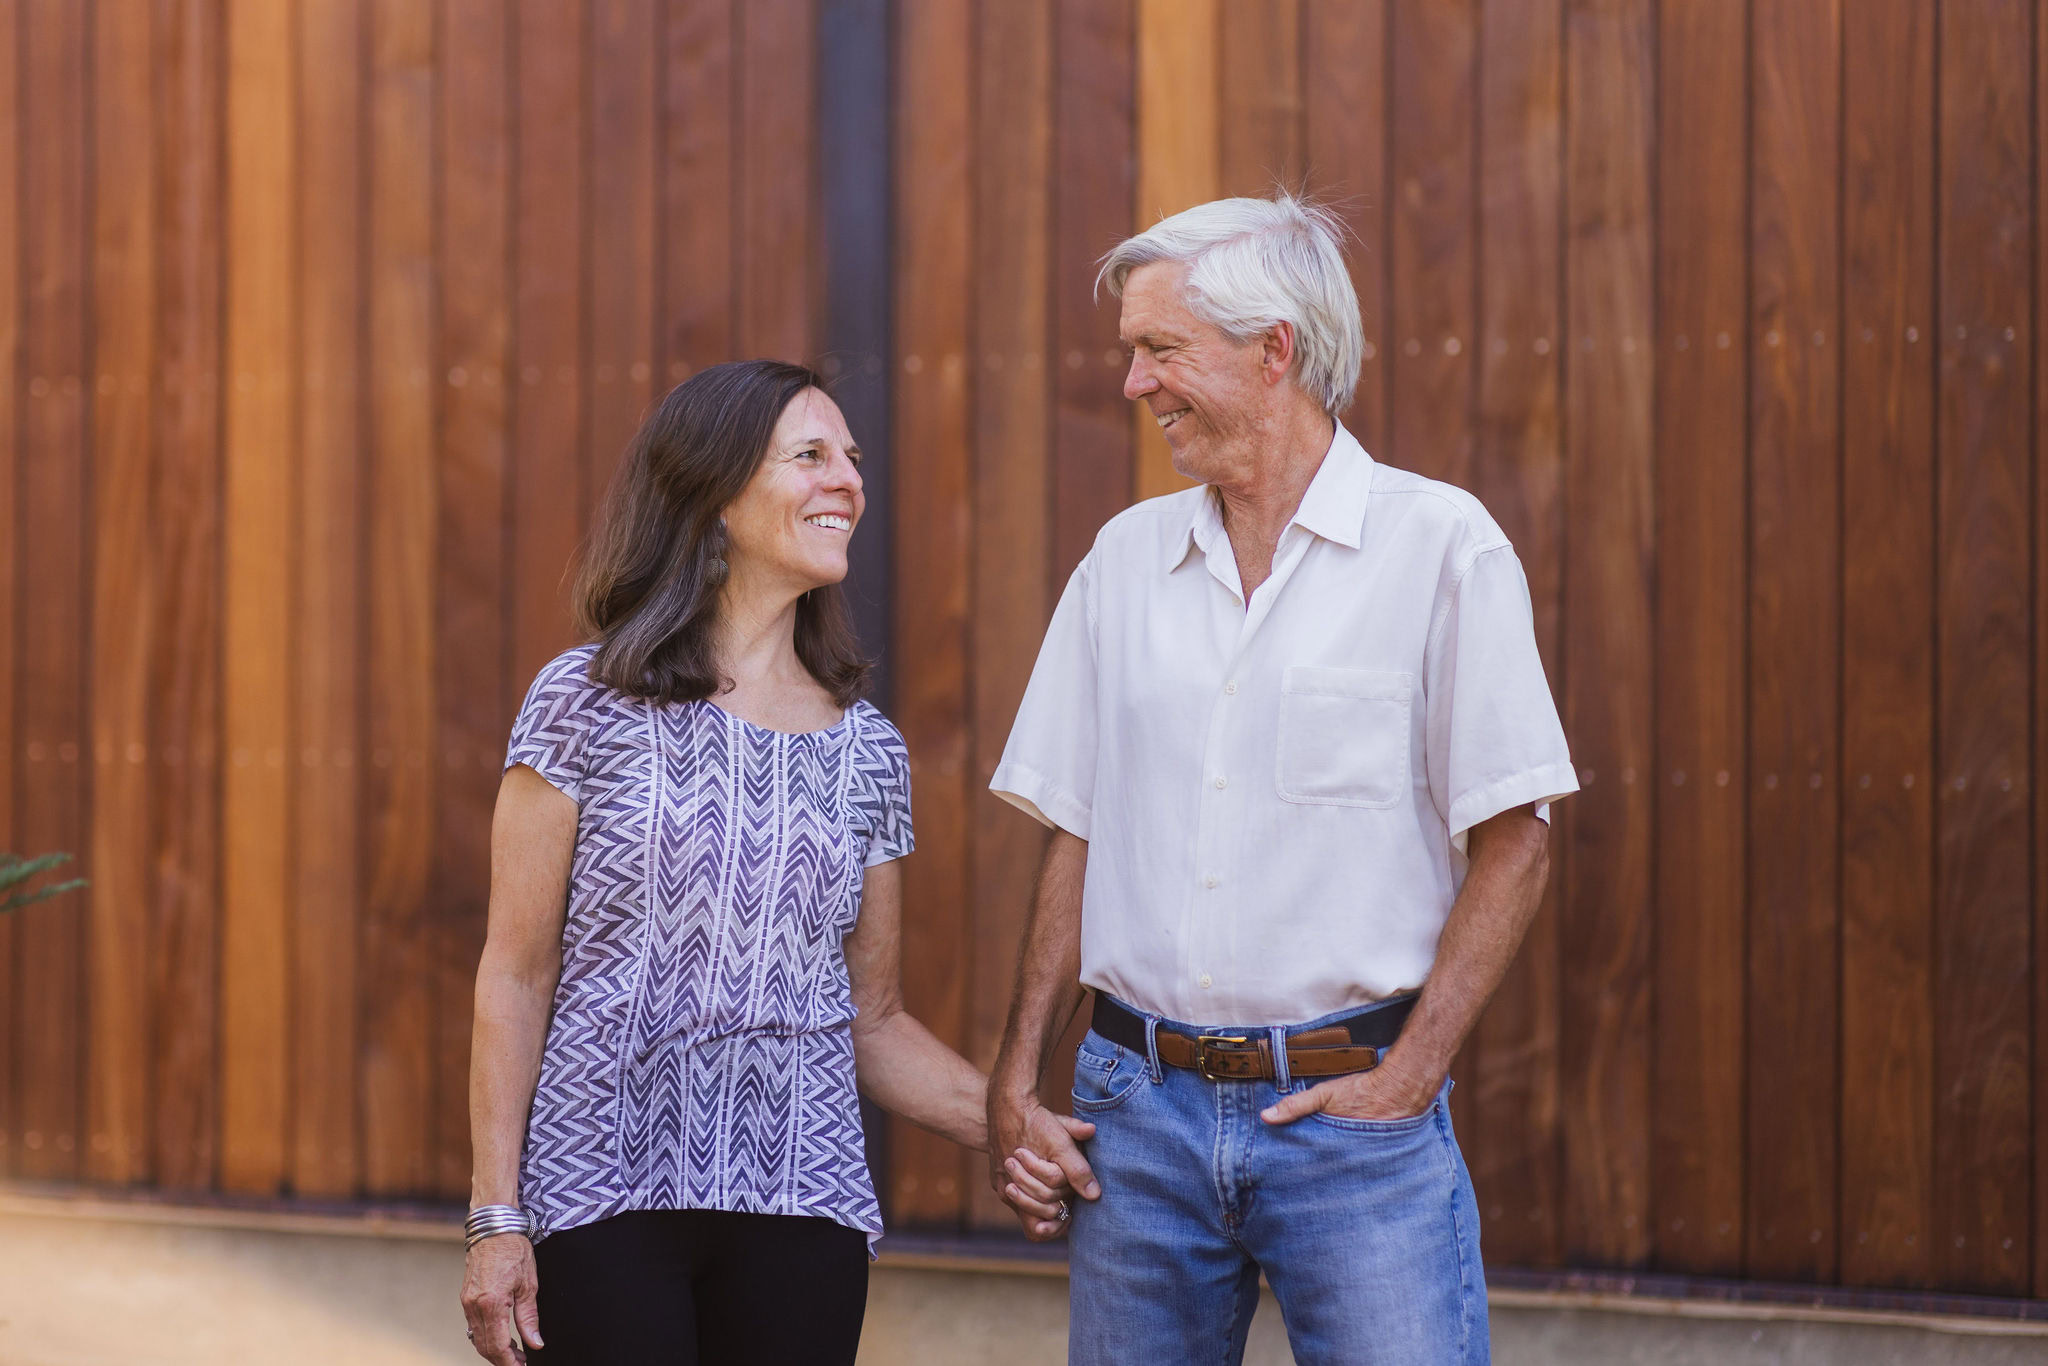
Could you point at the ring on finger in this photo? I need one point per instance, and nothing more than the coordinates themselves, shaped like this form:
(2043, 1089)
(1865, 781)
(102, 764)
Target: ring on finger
(1065, 1213)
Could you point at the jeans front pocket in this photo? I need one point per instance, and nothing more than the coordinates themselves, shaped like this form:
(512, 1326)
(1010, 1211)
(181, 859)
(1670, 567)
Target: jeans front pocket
(1390, 1127)
(1105, 1075)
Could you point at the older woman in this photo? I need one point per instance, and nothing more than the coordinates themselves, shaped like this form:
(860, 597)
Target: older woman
(692, 952)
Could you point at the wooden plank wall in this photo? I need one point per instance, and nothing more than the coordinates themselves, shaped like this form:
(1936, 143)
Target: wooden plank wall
(325, 319)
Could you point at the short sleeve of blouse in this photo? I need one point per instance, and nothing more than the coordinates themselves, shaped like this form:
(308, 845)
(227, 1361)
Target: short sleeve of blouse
(548, 735)
(882, 790)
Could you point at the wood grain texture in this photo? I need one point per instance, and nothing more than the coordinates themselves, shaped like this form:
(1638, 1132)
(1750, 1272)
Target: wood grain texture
(123, 441)
(1262, 114)
(776, 153)
(1012, 475)
(185, 569)
(473, 708)
(1982, 912)
(934, 262)
(1701, 605)
(698, 187)
(13, 395)
(261, 468)
(1794, 671)
(329, 599)
(548, 329)
(1888, 576)
(50, 786)
(2040, 681)
(1605, 932)
(400, 791)
(1095, 132)
(624, 187)
(1432, 65)
(1519, 473)
(1179, 159)
(1348, 113)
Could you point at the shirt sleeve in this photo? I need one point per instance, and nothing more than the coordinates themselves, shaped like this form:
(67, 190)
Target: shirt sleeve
(888, 767)
(1048, 766)
(1492, 738)
(548, 734)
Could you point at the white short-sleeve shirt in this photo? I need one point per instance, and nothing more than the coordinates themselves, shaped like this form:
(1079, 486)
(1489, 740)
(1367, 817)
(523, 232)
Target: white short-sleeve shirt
(1275, 794)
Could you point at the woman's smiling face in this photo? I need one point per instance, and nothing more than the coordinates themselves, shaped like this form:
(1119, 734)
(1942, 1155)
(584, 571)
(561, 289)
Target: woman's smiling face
(792, 522)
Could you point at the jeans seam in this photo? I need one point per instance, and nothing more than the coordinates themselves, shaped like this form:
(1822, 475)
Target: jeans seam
(1443, 1128)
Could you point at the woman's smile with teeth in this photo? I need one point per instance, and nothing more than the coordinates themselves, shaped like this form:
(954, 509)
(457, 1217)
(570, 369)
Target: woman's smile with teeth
(831, 521)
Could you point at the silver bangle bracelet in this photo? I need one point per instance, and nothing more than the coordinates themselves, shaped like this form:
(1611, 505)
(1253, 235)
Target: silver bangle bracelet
(488, 1221)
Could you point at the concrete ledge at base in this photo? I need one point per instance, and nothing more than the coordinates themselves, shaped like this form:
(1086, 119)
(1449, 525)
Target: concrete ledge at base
(88, 1280)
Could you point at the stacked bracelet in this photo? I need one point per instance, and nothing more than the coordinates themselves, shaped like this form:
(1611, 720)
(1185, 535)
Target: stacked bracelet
(488, 1221)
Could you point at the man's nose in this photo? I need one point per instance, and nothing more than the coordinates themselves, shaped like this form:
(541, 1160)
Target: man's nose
(1139, 380)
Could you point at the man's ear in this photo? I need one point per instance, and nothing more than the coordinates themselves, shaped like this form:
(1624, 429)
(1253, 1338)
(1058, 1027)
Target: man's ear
(1276, 356)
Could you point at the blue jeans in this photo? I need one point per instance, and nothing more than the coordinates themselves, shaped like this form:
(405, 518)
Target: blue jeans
(1366, 1230)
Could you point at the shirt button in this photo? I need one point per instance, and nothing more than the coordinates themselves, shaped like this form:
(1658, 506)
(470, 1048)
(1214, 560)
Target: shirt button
(1231, 687)
(1211, 880)
(1204, 980)
(1221, 782)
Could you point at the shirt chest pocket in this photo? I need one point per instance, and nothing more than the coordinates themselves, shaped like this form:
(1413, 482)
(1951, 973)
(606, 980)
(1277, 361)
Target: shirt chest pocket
(1344, 736)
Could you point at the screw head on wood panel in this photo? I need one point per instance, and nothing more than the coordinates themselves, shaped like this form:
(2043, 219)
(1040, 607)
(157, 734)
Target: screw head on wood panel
(1371, 351)
(1722, 341)
(1912, 334)
(1542, 345)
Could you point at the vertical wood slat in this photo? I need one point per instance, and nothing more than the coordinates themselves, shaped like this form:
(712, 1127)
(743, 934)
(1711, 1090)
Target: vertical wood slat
(1697, 1149)
(934, 267)
(1888, 575)
(328, 607)
(1347, 100)
(1982, 1049)
(473, 716)
(1609, 379)
(776, 154)
(1518, 472)
(1179, 159)
(1095, 125)
(1011, 474)
(260, 466)
(698, 186)
(547, 328)
(1261, 115)
(1790, 1217)
(50, 786)
(124, 306)
(13, 383)
(186, 571)
(623, 187)
(2039, 775)
(400, 794)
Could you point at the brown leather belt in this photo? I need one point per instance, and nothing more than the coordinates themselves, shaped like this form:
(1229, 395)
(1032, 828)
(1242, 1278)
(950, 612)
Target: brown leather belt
(1353, 1043)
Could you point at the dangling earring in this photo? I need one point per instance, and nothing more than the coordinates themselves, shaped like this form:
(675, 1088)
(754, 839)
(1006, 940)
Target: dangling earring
(716, 570)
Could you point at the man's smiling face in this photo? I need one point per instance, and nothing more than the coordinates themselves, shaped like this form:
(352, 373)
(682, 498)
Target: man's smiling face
(1204, 388)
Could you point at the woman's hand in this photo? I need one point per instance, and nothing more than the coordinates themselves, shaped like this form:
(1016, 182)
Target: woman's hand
(499, 1298)
(1038, 1190)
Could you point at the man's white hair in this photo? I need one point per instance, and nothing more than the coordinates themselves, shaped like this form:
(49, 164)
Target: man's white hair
(1253, 263)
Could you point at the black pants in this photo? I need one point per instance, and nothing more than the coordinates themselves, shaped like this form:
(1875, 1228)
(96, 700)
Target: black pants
(702, 1288)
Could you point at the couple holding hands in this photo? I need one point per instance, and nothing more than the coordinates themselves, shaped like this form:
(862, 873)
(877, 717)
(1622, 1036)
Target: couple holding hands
(1295, 746)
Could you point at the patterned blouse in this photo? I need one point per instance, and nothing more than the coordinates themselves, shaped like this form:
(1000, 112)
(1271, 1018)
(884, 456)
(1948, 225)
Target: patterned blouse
(701, 1051)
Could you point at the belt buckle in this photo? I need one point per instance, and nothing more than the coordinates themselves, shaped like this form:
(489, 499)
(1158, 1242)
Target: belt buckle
(1204, 1042)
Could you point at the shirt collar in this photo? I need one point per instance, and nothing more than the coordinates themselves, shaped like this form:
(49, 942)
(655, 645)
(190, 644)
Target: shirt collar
(1332, 508)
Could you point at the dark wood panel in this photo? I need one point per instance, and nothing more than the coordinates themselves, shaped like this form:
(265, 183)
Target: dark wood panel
(1511, 1146)
(1609, 382)
(2040, 662)
(624, 184)
(698, 186)
(400, 790)
(1012, 475)
(1349, 100)
(1982, 910)
(51, 666)
(1262, 98)
(1701, 609)
(473, 711)
(328, 608)
(260, 469)
(124, 307)
(934, 288)
(1794, 621)
(776, 154)
(1094, 130)
(185, 569)
(13, 120)
(1888, 1078)
(547, 326)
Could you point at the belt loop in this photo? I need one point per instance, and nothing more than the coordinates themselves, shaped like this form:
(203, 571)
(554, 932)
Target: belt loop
(1152, 1048)
(1281, 1080)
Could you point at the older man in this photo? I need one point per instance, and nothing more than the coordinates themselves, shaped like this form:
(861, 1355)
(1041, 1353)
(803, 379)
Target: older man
(1293, 736)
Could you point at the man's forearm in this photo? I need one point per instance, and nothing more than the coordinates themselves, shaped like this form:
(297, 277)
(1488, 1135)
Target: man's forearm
(1502, 891)
(1048, 969)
